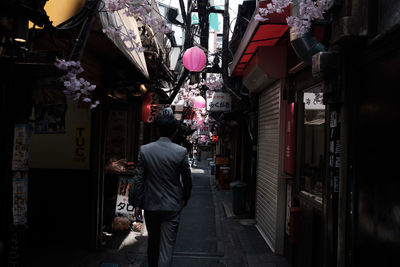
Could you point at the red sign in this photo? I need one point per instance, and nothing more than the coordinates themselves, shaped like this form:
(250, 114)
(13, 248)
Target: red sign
(149, 107)
(290, 139)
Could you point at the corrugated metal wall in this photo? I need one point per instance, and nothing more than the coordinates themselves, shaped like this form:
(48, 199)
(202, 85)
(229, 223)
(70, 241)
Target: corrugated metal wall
(268, 164)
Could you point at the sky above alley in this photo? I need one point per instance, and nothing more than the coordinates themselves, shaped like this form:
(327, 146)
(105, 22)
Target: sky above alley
(233, 6)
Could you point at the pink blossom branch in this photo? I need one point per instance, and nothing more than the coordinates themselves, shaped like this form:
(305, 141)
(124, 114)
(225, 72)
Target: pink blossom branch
(75, 88)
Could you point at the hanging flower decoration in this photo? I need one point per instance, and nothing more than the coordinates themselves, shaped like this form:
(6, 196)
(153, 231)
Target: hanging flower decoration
(213, 82)
(310, 10)
(191, 95)
(275, 6)
(80, 89)
(142, 11)
(75, 88)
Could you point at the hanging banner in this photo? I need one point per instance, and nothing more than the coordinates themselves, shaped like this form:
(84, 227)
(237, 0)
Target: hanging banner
(122, 206)
(149, 107)
(219, 101)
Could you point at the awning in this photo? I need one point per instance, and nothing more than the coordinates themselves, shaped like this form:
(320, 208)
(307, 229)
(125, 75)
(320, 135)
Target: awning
(267, 33)
(120, 19)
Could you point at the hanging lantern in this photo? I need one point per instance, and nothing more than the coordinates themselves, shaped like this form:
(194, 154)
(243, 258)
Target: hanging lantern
(199, 102)
(194, 59)
(149, 107)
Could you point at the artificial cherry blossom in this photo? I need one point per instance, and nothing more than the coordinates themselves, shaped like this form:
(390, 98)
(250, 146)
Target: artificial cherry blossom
(75, 88)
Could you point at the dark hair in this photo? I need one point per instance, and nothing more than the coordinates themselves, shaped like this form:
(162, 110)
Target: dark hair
(166, 124)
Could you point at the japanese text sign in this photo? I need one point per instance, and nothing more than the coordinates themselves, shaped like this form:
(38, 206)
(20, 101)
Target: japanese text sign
(219, 101)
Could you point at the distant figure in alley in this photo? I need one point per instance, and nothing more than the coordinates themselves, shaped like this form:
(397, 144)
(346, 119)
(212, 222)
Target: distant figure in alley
(162, 189)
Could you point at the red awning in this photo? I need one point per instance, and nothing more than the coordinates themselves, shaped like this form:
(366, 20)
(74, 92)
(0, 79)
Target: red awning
(267, 33)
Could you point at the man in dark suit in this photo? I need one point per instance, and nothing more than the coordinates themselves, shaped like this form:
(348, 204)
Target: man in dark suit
(163, 186)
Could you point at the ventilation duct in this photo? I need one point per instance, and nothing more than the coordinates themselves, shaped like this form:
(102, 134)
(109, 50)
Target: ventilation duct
(266, 66)
(305, 45)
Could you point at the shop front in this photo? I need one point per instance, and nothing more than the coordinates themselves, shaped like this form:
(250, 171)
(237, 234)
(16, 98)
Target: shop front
(261, 62)
(310, 181)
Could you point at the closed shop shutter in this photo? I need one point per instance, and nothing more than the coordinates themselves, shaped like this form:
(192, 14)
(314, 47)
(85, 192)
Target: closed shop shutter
(268, 164)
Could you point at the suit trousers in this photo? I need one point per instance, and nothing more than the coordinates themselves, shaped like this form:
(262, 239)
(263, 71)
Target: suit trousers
(162, 228)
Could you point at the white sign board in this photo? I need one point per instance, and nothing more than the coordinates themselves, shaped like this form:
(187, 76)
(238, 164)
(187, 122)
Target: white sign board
(313, 101)
(219, 101)
(122, 206)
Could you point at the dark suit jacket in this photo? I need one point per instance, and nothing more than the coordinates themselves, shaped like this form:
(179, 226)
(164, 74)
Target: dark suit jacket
(163, 179)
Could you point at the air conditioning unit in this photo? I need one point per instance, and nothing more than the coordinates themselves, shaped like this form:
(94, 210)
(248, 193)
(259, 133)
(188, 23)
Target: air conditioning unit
(266, 66)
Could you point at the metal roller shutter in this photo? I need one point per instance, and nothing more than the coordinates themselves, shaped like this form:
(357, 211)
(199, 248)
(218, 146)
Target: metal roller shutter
(268, 164)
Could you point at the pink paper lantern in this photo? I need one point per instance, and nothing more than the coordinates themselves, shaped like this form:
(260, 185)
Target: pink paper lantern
(199, 102)
(194, 59)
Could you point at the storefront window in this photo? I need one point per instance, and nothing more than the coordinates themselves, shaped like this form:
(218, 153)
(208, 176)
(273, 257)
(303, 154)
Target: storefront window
(313, 145)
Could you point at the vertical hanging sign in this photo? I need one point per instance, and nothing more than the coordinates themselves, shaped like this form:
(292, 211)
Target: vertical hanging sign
(149, 107)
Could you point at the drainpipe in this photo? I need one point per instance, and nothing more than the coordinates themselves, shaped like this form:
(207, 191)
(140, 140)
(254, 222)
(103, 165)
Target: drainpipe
(305, 45)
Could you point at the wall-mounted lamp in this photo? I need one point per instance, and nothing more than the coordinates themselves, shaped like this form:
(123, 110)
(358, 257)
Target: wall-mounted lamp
(20, 29)
(25, 11)
(142, 90)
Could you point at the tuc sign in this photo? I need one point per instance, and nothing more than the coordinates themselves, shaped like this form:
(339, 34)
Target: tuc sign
(149, 107)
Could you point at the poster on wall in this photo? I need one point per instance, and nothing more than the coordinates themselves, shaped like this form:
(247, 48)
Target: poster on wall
(122, 206)
(21, 144)
(49, 118)
(20, 173)
(20, 197)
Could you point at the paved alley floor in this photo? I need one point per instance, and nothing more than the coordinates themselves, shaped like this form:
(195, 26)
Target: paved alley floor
(209, 235)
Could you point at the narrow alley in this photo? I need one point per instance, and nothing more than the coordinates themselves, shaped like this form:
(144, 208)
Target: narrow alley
(283, 110)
